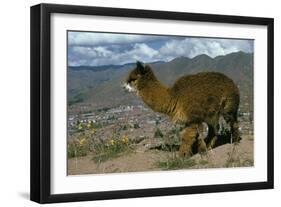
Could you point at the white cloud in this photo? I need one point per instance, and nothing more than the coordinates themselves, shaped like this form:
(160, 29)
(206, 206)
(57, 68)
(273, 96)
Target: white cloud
(106, 48)
(102, 56)
(92, 52)
(93, 38)
(191, 47)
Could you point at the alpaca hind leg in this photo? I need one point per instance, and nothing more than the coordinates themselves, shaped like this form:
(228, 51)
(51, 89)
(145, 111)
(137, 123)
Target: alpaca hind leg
(234, 128)
(211, 139)
(235, 135)
(230, 115)
(189, 135)
(212, 143)
(203, 131)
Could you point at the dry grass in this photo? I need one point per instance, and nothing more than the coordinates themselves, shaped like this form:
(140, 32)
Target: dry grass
(176, 162)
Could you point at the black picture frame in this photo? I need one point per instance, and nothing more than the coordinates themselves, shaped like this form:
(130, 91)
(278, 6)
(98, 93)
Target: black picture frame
(41, 98)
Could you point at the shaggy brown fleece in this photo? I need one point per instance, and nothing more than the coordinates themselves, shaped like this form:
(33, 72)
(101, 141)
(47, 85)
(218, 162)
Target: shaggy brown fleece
(192, 100)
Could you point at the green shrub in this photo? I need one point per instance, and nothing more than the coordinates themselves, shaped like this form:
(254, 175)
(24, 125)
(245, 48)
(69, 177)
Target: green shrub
(158, 133)
(136, 126)
(77, 148)
(176, 162)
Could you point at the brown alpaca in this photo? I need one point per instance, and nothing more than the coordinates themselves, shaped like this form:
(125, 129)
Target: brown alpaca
(193, 100)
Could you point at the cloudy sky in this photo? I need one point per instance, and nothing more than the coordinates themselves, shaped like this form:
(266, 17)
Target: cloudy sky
(95, 49)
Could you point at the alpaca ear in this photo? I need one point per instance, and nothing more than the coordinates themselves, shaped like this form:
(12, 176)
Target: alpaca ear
(140, 67)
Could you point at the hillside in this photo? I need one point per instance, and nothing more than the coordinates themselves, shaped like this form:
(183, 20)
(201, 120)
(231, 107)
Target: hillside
(145, 159)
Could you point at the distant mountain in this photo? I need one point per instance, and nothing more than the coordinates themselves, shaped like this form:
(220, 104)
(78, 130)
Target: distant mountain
(101, 86)
(105, 67)
(99, 68)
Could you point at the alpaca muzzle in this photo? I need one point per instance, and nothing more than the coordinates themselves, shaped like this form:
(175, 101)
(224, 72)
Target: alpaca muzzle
(128, 87)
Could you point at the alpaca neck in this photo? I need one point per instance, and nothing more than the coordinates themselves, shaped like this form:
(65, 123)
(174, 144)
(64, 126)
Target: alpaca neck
(156, 96)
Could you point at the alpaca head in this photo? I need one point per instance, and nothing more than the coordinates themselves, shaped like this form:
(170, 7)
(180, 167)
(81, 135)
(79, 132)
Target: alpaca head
(136, 77)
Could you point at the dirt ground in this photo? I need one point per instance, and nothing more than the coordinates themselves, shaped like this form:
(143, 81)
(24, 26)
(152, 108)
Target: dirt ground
(145, 159)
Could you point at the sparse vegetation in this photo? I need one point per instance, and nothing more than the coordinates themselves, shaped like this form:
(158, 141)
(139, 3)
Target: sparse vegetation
(136, 126)
(103, 149)
(238, 162)
(77, 148)
(80, 144)
(171, 142)
(176, 162)
(158, 133)
(203, 162)
(100, 144)
(111, 149)
(124, 128)
(235, 160)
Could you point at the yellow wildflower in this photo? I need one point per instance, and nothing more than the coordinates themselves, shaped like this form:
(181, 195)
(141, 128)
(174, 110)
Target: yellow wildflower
(112, 142)
(125, 139)
(80, 126)
(82, 141)
(90, 124)
(93, 130)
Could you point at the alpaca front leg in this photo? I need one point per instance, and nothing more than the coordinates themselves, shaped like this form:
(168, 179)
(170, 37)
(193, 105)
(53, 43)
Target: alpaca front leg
(188, 135)
(202, 147)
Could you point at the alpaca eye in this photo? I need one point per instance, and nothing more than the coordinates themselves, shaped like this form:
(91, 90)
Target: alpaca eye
(132, 80)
